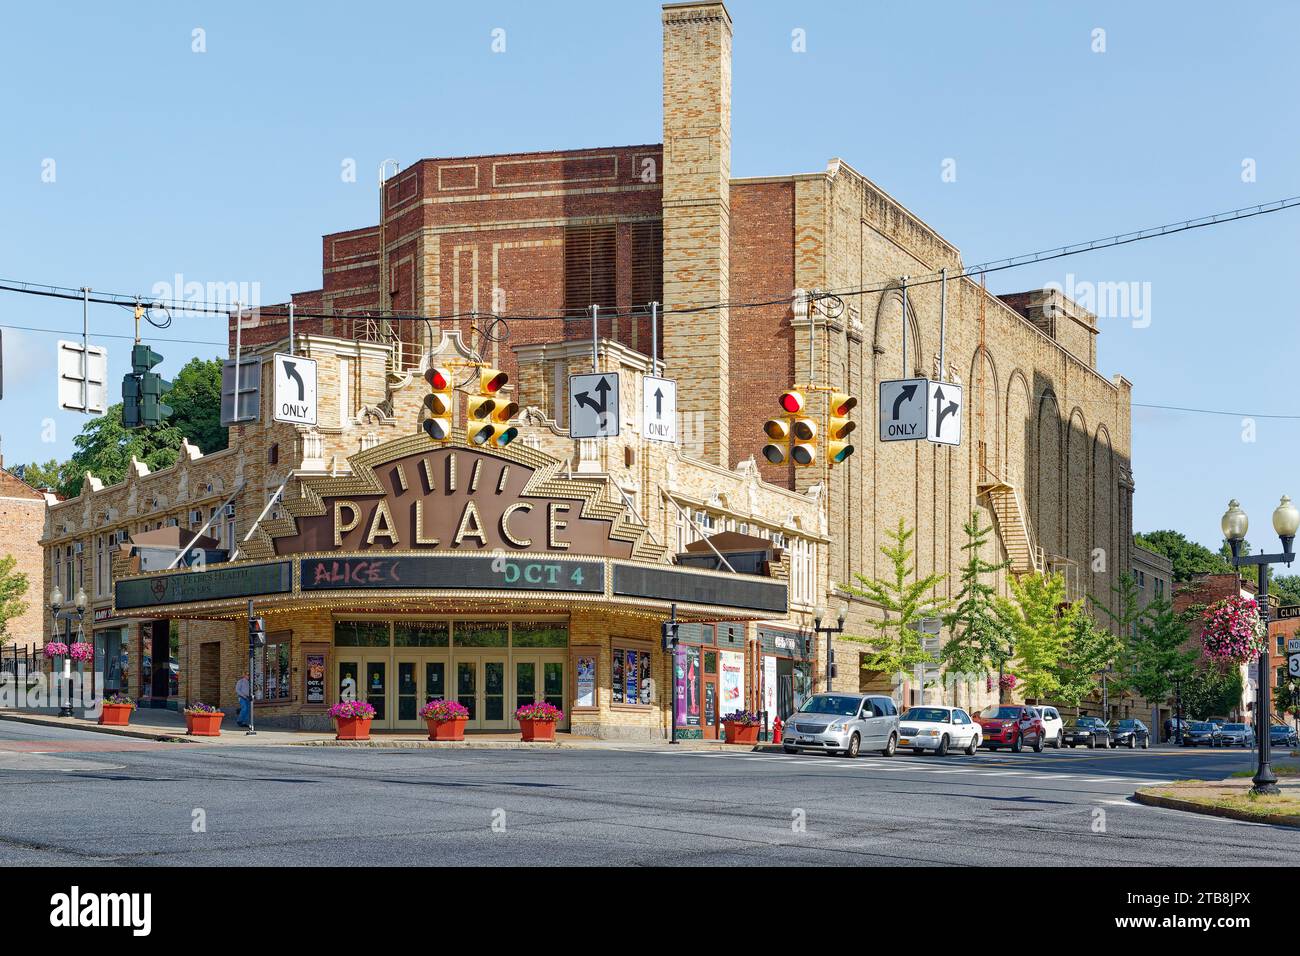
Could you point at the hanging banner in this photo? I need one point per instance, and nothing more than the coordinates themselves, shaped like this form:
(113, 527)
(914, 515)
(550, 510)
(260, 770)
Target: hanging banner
(731, 680)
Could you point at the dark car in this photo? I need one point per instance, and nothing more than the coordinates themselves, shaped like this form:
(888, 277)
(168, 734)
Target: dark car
(1090, 731)
(1201, 733)
(1132, 733)
(1013, 725)
(1280, 735)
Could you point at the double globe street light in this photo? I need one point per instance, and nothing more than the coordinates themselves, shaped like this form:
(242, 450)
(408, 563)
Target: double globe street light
(57, 611)
(1286, 520)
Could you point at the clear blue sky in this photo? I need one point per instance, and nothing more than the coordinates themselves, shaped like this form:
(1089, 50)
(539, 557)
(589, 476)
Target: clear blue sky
(224, 166)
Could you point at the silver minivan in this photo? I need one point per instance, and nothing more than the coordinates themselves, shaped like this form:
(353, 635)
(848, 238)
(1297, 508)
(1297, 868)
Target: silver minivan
(843, 723)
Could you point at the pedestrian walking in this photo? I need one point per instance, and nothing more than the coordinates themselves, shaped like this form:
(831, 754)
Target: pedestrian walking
(243, 690)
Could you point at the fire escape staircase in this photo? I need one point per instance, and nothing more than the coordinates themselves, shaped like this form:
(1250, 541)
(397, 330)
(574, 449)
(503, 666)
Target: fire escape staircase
(1012, 524)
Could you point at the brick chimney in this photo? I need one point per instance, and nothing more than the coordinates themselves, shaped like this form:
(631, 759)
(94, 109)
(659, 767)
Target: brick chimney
(696, 191)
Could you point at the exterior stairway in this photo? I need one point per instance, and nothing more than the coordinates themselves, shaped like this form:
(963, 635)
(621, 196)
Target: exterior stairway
(1012, 524)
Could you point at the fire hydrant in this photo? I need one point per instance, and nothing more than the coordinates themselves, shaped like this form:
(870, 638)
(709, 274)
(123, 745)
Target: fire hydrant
(776, 731)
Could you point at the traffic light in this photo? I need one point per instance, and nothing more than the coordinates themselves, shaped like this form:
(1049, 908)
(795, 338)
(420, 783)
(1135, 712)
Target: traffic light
(668, 631)
(839, 427)
(143, 390)
(793, 435)
(257, 632)
(439, 403)
(489, 413)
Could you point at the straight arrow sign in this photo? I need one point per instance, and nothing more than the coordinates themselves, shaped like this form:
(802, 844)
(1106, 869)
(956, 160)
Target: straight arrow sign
(943, 408)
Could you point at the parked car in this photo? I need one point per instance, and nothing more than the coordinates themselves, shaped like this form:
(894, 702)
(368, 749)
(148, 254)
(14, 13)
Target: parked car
(939, 729)
(1237, 735)
(1012, 725)
(1053, 725)
(1201, 733)
(1131, 733)
(843, 723)
(1092, 732)
(1280, 735)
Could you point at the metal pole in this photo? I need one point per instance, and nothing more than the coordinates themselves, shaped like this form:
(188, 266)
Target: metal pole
(812, 340)
(943, 321)
(654, 337)
(1265, 781)
(291, 326)
(904, 294)
(672, 671)
(234, 399)
(1178, 703)
(85, 350)
(252, 696)
(595, 325)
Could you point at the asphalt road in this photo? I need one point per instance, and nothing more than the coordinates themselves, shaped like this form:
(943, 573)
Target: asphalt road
(72, 797)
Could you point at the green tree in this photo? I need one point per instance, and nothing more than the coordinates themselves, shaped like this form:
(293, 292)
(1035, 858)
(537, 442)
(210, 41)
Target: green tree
(1154, 657)
(1089, 649)
(1284, 700)
(1209, 692)
(196, 400)
(979, 638)
(1188, 557)
(1042, 621)
(13, 586)
(905, 600)
(47, 475)
(1287, 587)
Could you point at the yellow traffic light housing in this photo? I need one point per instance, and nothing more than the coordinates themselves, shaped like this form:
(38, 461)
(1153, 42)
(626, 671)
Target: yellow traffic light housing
(491, 380)
(839, 427)
(777, 450)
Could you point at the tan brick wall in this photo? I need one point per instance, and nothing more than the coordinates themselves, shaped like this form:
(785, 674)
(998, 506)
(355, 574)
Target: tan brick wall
(21, 521)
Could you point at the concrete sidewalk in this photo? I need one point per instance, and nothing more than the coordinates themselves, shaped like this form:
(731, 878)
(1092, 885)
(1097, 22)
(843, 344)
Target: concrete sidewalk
(168, 726)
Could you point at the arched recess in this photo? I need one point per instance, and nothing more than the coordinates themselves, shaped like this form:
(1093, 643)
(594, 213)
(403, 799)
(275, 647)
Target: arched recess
(1048, 481)
(886, 341)
(1017, 430)
(1105, 520)
(1078, 500)
(983, 414)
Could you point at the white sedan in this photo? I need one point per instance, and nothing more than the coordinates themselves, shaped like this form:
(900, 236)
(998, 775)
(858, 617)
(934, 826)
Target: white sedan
(939, 729)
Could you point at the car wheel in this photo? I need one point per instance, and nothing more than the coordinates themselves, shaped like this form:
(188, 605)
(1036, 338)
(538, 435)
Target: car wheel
(1146, 743)
(1039, 744)
(1092, 743)
(1060, 740)
(943, 746)
(892, 747)
(1018, 744)
(855, 744)
(1132, 742)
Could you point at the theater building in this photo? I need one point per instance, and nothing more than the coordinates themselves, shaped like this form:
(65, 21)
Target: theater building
(498, 259)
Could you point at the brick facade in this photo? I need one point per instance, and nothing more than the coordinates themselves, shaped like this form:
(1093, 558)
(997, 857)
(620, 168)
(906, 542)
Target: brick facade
(22, 517)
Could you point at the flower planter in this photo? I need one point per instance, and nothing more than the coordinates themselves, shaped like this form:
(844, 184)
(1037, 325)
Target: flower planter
(116, 715)
(447, 729)
(352, 728)
(537, 729)
(204, 725)
(741, 733)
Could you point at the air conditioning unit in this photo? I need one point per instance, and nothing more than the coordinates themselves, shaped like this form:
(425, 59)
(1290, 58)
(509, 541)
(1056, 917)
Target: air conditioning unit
(171, 522)
(230, 511)
(78, 548)
(196, 516)
(120, 536)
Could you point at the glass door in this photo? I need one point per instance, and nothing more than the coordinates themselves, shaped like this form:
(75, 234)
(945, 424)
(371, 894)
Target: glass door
(435, 680)
(538, 678)
(494, 694)
(709, 685)
(408, 694)
(467, 689)
(376, 690)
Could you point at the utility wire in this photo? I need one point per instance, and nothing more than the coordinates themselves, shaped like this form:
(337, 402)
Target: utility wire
(995, 265)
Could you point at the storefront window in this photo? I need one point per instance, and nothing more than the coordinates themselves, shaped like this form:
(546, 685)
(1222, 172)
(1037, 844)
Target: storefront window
(271, 676)
(540, 635)
(481, 634)
(360, 633)
(421, 633)
(631, 679)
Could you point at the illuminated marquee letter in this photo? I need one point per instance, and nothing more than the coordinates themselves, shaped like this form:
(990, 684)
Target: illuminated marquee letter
(341, 528)
(555, 526)
(381, 525)
(523, 506)
(471, 525)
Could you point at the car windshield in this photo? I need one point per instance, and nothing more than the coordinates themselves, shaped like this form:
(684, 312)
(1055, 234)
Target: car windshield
(1088, 721)
(1004, 713)
(1234, 726)
(1201, 725)
(933, 714)
(836, 704)
(1129, 724)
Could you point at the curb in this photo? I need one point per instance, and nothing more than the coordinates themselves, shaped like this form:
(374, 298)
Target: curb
(100, 729)
(468, 744)
(1227, 813)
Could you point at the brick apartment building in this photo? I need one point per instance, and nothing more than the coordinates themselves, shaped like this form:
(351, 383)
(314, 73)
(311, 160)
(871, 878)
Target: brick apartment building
(22, 519)
(541, 237)
(1202, 591)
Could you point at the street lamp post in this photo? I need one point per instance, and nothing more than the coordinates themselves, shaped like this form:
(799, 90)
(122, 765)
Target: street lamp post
(1286, 520)
(818, 615)
(57, 613)
(1178, 709)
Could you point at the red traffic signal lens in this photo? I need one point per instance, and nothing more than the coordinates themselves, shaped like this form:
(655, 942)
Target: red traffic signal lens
(791, 402)
(492, 381)
(439, 379)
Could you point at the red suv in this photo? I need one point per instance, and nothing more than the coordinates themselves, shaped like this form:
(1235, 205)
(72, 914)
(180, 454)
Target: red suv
(1013, 725)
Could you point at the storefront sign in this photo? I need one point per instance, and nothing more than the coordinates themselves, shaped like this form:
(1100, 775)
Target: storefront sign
(461, 500)
(315, 679)
(783, 643)
(731, 681)
(214, 584)
(452, 572)
(695, 587)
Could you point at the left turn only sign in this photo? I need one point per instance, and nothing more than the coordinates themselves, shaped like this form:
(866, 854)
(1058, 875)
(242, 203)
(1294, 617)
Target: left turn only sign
(295, 389)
